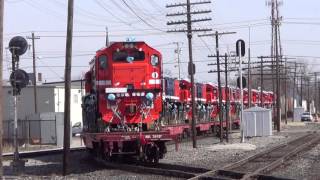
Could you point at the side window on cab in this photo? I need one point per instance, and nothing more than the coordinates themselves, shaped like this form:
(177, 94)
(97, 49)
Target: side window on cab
(154, 60)
(103, 63)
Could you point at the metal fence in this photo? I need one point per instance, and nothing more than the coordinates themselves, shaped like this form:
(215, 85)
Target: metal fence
(31, 131)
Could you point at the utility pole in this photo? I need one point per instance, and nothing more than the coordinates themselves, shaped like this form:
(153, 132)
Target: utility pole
(216, 35)
(301, 90)
(227, 95)
(191, 73)
(66, 135)
(261, 81)
(178, 52)
(189, 31)
(219, 87)
(34, 72)
(315, 91)
(294, 88)
(278, 78)
(285, 92)
(275, 39)
(308, 95)
(272, 39)
(1, 77)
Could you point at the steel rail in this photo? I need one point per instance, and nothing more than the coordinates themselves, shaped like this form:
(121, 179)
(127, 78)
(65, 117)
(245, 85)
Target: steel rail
(281, 160)
(162, 169)
(229, 170)
(46, 152)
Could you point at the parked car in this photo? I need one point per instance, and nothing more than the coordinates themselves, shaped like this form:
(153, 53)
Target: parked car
(306, 116)
(76, 128)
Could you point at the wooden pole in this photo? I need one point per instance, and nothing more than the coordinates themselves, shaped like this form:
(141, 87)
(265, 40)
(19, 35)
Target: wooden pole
(191, 73)
(66, 140)
(285, 94)
(294, 89)
(261, 82)
(34, 72)
(1, 88)
(227, 91)
(219, 87)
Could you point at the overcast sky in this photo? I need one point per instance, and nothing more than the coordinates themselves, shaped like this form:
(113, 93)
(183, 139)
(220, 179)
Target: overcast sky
(145, 20)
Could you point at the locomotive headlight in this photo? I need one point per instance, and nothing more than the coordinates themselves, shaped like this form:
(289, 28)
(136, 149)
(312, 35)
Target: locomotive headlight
(111, 97)
(154, 60)
(149, 96)
(154, 75)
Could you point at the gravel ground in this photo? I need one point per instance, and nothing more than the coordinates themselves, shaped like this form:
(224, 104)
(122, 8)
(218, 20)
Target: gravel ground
(82, 167)
(304, 166)
(206, 158)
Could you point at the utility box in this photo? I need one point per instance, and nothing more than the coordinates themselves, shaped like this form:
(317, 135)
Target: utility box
(297, 113)
(257, 121)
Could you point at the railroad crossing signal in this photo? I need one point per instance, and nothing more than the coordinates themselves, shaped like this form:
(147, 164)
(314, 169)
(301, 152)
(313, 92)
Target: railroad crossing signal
(244, 82)
(19, 79)
(18, 45)
(240, 48)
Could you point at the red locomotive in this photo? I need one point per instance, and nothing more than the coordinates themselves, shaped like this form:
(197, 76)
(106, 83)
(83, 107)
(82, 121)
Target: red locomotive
(123, 102)
(130, 109)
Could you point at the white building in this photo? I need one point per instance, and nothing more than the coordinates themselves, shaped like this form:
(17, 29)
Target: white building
(50, 98)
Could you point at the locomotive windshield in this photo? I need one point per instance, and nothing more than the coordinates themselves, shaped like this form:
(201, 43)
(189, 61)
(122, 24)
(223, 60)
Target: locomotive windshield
(123, 55)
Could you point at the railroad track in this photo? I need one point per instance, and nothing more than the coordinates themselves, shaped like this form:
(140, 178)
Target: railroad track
(46, 152)
(254, 167)
(162, 169)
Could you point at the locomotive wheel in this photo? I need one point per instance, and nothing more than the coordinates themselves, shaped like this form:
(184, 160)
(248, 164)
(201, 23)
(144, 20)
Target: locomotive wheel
(185, 134)
(152, 153)
(217, 130)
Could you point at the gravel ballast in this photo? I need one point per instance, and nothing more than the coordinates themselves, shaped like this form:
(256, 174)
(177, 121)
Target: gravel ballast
(303, 166)
(204, 156)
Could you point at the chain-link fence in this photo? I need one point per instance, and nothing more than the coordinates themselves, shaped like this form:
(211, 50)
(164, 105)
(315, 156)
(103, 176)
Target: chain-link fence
(31, 131)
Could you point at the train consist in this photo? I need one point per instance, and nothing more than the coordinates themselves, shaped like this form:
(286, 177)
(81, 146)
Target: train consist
(130, 109)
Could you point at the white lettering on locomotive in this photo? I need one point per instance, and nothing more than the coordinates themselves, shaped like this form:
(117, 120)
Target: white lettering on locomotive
(147, 136)
(156, 136)
(116, 90)
(126, 137)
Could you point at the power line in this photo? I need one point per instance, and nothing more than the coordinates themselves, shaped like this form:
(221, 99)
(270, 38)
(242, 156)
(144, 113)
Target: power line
(145, 22)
